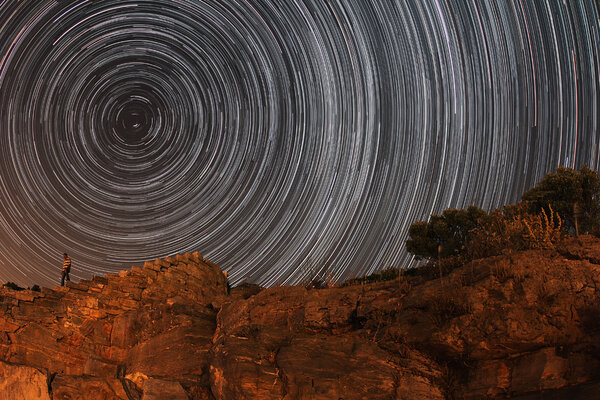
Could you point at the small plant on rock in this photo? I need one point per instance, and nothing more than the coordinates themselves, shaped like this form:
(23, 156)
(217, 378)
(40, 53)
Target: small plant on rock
(449, 305)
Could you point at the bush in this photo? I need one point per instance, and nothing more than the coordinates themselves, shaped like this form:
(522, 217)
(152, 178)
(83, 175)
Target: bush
(449, 304)
(13, 286)
(388, 274)
(564, 201)
(511, 228)
(444, 235)
(574, 195)
(515, 229)
(316, 283)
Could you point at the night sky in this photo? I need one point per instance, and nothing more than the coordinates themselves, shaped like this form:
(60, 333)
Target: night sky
(277, 137)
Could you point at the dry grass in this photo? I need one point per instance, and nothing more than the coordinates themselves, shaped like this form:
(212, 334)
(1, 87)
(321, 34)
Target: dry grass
(520, 231)
(543, 231)
(450, 304)
(544, 295)
(501, 271)
(504, 272)
(382, 320)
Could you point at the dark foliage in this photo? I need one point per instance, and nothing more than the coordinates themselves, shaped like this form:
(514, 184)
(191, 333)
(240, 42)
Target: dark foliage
(387, 274)
(444, 235)
(514, 228)
(564, 201)
(316, 283)
(13, 286)
(574, 195)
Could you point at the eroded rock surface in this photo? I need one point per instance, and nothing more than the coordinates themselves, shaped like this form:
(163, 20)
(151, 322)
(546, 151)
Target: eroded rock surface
(91, 338)
(22, 382)
(515, 326)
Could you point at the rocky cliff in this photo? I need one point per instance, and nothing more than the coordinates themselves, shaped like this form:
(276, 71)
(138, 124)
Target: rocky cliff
(519, 325)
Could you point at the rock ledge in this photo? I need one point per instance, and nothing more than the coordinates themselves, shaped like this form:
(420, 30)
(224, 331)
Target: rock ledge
(520, 326)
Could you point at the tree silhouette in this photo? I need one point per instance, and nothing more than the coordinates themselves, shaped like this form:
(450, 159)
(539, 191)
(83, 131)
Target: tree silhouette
(574, 195)
(444, 235)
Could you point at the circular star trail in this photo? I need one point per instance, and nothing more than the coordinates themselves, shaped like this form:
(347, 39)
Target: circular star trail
(281, 139)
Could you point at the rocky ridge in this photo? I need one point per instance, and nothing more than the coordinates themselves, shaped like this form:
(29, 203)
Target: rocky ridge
(519, 325)
(137, 334)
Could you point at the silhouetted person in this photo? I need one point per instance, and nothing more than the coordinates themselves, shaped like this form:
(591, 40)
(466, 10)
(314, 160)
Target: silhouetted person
(66, 269)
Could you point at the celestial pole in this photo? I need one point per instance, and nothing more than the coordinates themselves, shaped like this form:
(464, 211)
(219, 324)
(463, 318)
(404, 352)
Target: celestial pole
(282, 139)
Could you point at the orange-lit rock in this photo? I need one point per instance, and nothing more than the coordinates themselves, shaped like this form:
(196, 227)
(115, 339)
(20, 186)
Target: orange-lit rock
(518, 326)
(158, 320)
(22, 382)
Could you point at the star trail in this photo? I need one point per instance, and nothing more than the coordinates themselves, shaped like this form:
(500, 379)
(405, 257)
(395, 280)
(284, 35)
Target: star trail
(278, 138)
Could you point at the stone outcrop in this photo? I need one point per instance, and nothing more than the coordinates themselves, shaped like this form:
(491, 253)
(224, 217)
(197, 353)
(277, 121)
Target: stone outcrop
(514, 326)
(143, 333)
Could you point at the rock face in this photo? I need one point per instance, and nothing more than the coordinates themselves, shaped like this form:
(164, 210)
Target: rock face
(513, 326)
(144, 333)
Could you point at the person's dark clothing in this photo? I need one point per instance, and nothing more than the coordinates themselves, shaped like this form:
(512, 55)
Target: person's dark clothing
(65, 274)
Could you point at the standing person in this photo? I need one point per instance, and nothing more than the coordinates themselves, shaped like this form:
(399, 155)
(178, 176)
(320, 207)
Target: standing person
(65, 269)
